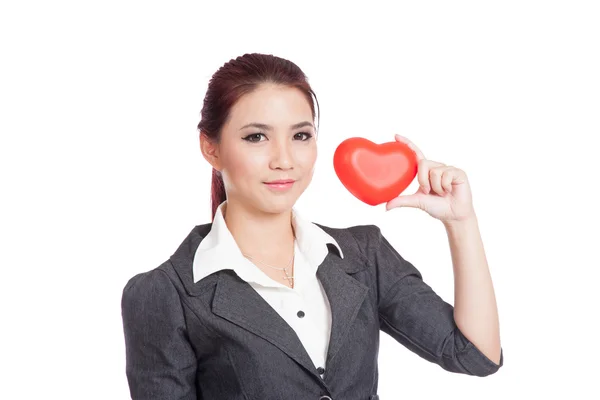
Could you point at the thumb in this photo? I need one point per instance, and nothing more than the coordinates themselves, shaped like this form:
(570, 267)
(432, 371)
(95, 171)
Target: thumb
(412, 200)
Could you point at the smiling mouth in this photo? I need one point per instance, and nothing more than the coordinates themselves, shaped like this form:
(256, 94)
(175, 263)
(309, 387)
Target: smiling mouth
(280, 185)
(280, 182)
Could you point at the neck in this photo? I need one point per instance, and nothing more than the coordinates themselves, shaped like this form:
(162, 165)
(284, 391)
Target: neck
(266, 236)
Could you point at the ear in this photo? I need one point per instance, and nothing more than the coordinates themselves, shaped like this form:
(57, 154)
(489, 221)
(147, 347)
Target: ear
(210, 151)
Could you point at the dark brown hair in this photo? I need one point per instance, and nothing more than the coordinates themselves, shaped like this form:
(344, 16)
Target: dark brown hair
(235, 79)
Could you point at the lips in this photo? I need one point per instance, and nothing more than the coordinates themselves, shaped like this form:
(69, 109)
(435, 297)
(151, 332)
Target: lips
(280, 182)
(281, 185)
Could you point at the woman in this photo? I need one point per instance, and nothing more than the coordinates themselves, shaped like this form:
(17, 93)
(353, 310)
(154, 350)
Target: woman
(263, 304)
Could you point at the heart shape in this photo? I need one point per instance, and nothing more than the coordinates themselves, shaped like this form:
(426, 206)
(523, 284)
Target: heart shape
(374, 173)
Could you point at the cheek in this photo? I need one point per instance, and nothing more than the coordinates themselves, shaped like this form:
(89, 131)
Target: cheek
(307, 156)
(242, 166)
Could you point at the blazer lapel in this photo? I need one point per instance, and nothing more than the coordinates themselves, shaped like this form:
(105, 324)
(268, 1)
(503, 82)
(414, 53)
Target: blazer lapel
(345, 295)
(236, 301)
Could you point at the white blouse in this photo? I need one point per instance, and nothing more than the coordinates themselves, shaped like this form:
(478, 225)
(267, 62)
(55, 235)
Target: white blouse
(305, 307)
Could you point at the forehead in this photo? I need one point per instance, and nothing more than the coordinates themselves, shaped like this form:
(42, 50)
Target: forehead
(273, 105)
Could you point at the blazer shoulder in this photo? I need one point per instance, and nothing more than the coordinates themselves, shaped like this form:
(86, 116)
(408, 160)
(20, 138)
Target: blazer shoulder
(150, 281)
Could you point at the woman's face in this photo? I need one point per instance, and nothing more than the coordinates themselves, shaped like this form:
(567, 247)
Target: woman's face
(283, 149)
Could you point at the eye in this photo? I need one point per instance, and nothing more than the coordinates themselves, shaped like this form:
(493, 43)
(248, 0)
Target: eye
(252, 136)
(307, 135)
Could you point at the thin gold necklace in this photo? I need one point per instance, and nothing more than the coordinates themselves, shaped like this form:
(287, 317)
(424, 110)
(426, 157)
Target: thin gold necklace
(287, 276)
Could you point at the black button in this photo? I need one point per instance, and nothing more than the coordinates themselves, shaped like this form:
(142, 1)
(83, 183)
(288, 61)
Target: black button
(320, 370)
(300, 314)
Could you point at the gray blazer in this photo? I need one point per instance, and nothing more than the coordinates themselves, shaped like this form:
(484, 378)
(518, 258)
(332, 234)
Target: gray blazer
(219, 339)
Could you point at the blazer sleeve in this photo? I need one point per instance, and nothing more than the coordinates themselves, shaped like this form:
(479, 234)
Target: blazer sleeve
(415, 316)
(160, 361)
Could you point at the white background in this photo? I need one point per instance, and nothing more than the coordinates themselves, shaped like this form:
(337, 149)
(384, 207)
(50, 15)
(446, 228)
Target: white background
(102, 176)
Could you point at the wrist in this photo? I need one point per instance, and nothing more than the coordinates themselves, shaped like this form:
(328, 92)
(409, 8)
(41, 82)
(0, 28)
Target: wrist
(459, 223)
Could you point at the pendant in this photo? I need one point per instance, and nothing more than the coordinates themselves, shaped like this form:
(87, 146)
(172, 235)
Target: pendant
(287, 276)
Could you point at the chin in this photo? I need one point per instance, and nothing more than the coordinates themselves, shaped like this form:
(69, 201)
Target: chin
(278, 207)
(276, 204)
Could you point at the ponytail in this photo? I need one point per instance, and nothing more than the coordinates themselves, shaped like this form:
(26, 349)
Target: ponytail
(217, 191)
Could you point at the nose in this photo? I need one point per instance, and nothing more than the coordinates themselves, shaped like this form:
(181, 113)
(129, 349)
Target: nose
(282, 155)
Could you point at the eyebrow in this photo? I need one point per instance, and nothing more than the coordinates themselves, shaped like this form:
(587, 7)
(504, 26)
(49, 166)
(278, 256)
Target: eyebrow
(268, 127)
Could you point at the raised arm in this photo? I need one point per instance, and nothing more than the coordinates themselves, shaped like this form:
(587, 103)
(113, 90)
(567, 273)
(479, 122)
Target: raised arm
(414, 315)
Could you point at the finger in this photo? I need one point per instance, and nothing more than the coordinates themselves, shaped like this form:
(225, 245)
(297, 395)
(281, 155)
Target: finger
(447, 178)
(423, 176)
(411, 200)
(423, 173)
(412, 146)
(435, 179)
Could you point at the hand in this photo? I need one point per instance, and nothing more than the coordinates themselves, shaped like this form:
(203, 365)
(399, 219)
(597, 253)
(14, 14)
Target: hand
(443, 193)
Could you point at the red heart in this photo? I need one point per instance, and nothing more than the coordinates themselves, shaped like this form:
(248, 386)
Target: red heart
(374, 173)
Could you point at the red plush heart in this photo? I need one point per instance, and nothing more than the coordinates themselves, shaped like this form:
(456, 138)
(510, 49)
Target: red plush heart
(374, 173)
